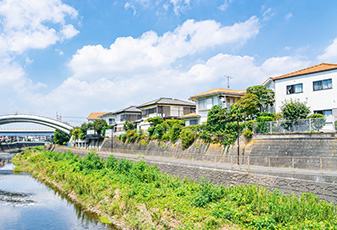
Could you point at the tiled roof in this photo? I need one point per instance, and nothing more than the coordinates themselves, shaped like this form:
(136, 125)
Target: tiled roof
(167, 101)
(313, 69)
(94, 116)
(229, 92)
(130, 109)
(190, 115)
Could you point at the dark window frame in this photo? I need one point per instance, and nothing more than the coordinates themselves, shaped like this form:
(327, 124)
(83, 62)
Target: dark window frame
(322, 85)
(292, 89)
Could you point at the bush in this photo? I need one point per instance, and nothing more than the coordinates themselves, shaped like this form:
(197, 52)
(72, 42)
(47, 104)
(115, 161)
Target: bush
(317, 121)
(187, 137)
(247, 133)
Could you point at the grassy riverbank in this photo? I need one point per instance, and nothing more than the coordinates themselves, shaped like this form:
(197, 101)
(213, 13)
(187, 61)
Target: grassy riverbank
(141, 197)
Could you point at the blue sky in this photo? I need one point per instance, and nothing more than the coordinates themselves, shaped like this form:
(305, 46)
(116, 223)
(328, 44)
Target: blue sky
(75, 57)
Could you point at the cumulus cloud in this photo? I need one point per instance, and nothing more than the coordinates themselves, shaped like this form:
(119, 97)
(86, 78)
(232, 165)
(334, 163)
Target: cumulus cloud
(330, 53)
(24, 24)
(150, 51)
(136, 70)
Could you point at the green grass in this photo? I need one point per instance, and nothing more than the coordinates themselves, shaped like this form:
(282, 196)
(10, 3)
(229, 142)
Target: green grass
(141, 197)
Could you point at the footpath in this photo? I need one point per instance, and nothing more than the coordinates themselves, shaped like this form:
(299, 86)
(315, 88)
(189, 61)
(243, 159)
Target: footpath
(322, 183)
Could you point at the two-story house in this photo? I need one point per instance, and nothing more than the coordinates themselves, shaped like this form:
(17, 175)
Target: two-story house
(166, 108)
(95, 116)
(206, 100)
(131, 113)
(109, 117)
(316, 86)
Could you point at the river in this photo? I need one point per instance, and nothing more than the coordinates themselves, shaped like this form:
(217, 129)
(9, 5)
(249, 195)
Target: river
(26, 203)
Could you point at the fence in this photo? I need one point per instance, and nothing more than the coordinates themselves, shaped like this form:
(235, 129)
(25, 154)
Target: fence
(303, 125)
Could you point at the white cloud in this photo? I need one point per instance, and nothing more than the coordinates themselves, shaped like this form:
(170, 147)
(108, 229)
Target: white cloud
(330, 53)
(288, 16)
(180, 5)
(150, 51)
(129, 5)
(24, 23)
(225, 5)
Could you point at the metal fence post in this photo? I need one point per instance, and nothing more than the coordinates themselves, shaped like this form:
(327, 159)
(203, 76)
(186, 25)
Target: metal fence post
(309, 124)
(271, 127)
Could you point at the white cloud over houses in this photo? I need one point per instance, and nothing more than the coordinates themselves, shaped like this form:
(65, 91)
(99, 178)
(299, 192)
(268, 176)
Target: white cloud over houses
(135, 70)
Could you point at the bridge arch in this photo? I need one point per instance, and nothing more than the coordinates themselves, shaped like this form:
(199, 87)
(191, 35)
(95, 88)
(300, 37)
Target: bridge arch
(7, 119)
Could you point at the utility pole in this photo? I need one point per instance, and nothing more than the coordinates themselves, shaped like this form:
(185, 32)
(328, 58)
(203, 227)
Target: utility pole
(228, 77)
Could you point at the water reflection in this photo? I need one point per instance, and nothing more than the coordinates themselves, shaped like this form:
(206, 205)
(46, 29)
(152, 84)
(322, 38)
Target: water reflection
(25, 203)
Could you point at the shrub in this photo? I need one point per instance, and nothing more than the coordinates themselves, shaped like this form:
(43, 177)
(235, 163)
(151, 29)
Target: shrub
(187, 137)
(247, 133)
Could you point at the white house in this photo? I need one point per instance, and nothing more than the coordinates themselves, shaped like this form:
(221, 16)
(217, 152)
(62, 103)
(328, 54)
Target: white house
(316, 86)
(206, 100)
(131, 113)
(109, 117)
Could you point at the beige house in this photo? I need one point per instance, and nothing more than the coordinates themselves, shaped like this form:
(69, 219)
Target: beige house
(206, 100)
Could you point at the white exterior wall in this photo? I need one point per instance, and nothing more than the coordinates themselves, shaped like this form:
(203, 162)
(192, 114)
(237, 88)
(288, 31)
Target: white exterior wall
(210, 102)
(316, 100)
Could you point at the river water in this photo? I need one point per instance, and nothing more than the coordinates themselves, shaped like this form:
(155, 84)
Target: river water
(25, 203)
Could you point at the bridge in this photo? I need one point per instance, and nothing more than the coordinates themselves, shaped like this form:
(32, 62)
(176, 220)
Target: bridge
(26, 132)
(49, 122)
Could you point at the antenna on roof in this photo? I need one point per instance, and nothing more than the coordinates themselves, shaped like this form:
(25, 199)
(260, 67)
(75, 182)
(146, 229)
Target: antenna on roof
(228, 77)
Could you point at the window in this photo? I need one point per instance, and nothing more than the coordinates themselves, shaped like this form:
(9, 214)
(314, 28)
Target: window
(193, 122)
(298, 88)
(324, 84)
(326, 113)
(202, 104)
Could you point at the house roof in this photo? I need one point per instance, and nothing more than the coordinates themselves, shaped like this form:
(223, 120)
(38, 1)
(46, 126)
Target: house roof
(228, 92)
(190, 115)
(167, 101)
(130, 109)
(313, 69)
(95, 116)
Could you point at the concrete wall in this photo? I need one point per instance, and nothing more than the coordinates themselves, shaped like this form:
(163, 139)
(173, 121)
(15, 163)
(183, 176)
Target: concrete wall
(303, 151)
(306, 151)
(17, 147)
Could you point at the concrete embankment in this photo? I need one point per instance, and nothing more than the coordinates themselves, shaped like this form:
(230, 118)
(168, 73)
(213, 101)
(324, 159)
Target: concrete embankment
(223, 173)
(18, 146)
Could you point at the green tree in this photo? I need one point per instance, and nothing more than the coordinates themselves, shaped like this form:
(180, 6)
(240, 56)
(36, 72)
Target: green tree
(246, 108)
(128, 125)
(99, 124)
(265, 96)
(155, 120)
(217, 118)
(60, 137)
(292, 111)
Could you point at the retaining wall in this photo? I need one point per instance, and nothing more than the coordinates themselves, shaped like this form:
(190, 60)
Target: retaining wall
(323, 190)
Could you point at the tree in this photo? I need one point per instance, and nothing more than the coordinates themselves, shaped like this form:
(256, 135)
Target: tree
(98, 125)
(60, 137)
(265, 96)
(217, 117)
(293, 111)
(246, 108)
(128, 125)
